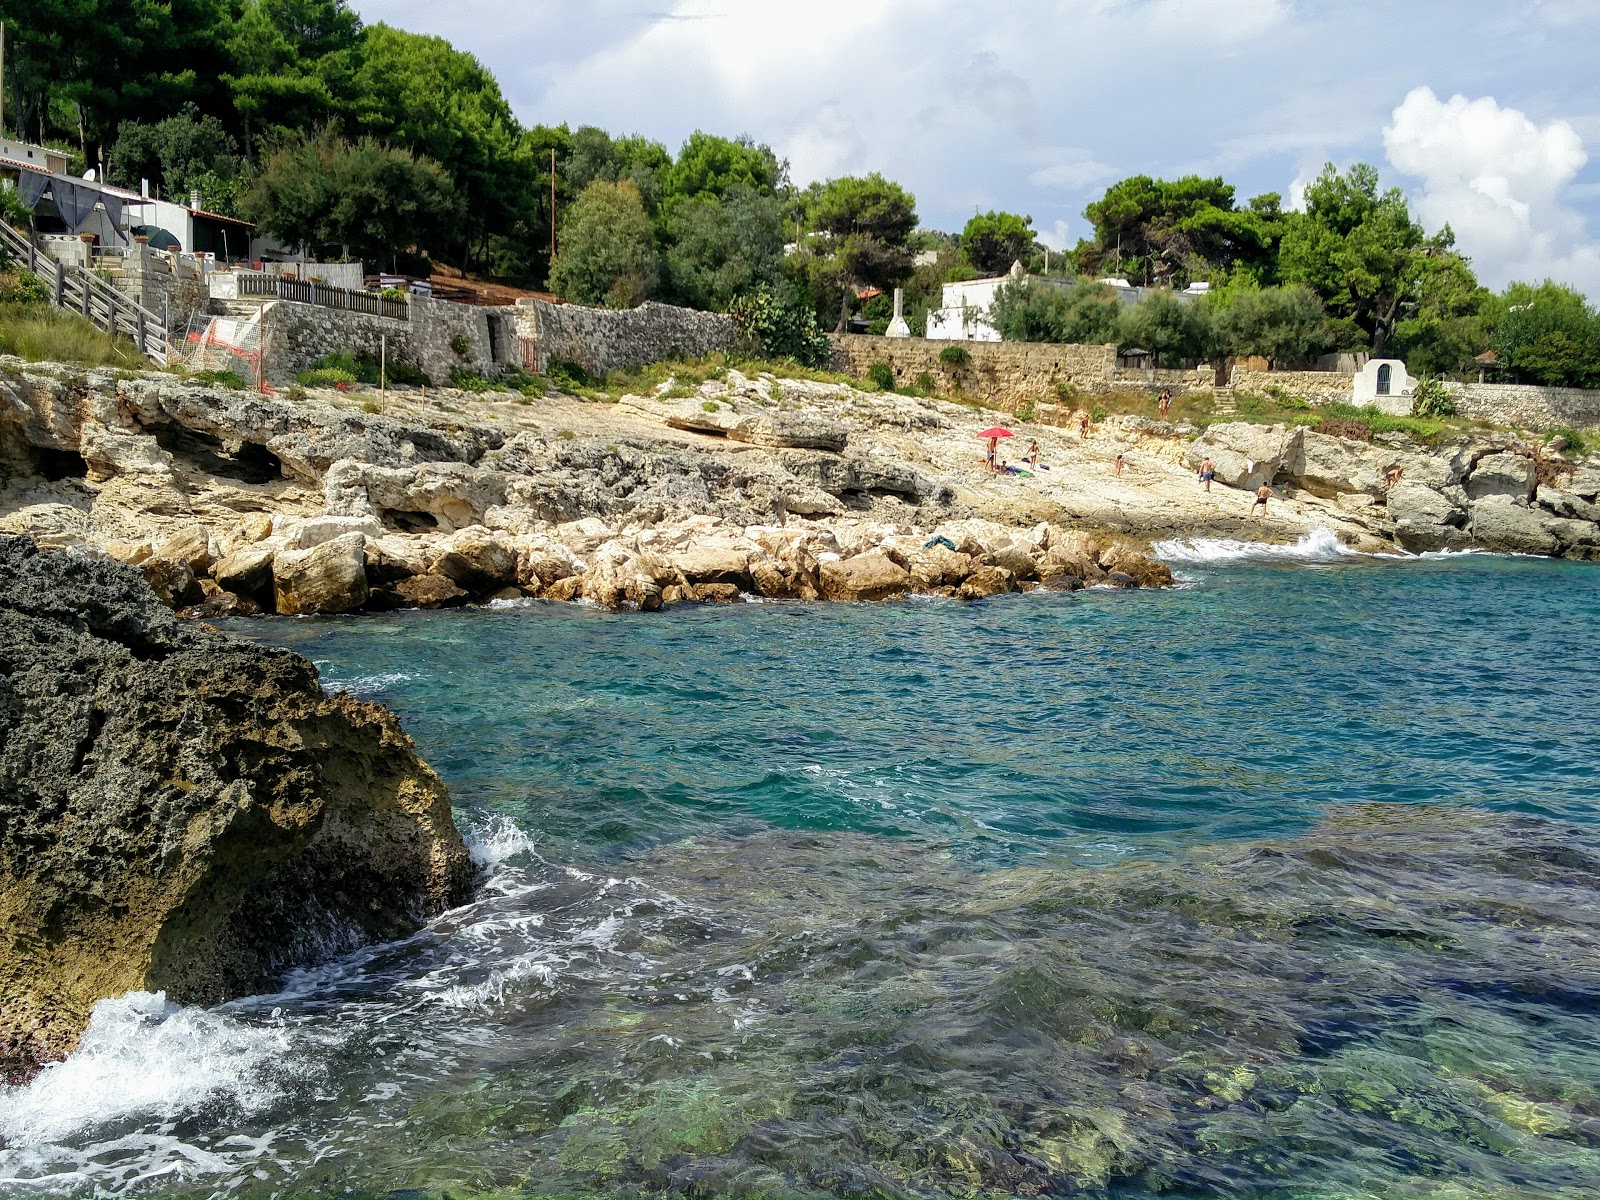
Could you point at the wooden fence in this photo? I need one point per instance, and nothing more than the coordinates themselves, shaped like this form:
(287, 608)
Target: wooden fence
(80, 291)
(305, 292)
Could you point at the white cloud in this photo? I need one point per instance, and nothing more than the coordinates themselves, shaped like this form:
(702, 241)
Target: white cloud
(1503, 182)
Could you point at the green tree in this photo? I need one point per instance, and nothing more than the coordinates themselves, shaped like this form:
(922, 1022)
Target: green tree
(593, 154)
(713, 166)
(863, 223)
(291, 63)
(1443, 330)
(1360, 251)
(606, 248)
(781, 328)
(1166, 327)
(180, 152)
(1029, 311)
(1161, 231)
(720, 249)
(1286, 325)
(421, 93)
(1546, 334)
(992, 241)
(333, 196)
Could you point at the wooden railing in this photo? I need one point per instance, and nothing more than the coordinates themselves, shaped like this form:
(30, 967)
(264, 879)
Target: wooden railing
(81, 291)
(306, 292)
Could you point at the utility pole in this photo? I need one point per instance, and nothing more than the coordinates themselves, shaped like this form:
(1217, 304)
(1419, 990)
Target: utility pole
(2, 79)
(552, 207)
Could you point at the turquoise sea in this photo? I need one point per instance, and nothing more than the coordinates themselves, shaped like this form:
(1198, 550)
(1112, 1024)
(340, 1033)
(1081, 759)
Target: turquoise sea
(1283, 883)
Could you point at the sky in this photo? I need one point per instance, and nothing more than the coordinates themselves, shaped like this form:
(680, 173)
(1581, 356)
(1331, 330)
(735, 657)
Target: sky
(1486, 112)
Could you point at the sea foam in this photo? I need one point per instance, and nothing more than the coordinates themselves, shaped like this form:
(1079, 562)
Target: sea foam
(1320, 544)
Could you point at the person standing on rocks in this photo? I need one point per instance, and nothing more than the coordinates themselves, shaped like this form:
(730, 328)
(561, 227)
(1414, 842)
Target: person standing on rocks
(1263, 494)
(1208, 472)
(1118, 469)
(1083, 427)
(1033, 454)
(1164, 405)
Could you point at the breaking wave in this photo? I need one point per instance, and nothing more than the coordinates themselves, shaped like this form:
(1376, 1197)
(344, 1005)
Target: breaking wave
(1318, 545)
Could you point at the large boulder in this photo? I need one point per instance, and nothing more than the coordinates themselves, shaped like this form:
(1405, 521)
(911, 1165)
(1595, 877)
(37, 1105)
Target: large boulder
(247, 571)
(987, 581)
(1500, 523)
(478, 559)
(330, 578)
(1246, 455)
(872, 576)
(1331, 466)
(186, 812)
(1509, 475)
(714, 564)
(1425, 519)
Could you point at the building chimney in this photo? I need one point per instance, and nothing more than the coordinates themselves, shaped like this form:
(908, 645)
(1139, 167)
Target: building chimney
(194, 198)
(144, 189)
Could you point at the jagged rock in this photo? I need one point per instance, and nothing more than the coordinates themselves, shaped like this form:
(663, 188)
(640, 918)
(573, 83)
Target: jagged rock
(479, 560)
(1245, 455)
(186, 812)
(172, 580)
(802, 431)
(1017, 560)
(330, 578)
(392, 558)
(1500, 523)
(1568, 504)
(430, 591)
(937, 567)
(873, 576)
(1121, 579)
(112, 452)
(986, 581)
(1510, 475)
(713, 593)
(191, 545)
(1124, 559)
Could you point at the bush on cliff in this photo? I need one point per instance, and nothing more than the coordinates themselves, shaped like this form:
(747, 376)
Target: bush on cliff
(781, 328)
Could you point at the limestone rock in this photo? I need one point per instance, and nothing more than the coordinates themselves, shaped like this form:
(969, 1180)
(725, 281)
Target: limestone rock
(714, 564)
(247, 571)
(873, 576)
(430, 591)
(172, 580)
(1121, 558)
(191, 545)
(479, 560)
(1426, 519)
(937, 567)
(1509, 475)
(1245, 455)
(1330, 466)
(184, 811)
(330, 578)
(987, 581)
(806, 431)
(1500, 523)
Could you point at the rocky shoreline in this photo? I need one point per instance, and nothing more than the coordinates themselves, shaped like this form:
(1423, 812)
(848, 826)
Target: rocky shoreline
(184, 811)
(236, 503)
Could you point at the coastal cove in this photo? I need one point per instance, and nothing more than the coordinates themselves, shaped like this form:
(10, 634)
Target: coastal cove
(1280, 882)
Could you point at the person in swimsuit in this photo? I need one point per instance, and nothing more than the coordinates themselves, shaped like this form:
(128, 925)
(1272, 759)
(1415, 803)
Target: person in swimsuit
(1033, 454)
(1208, 472)
(1119, 467)
(1392, 475)
(1165, 403)
(1083, 427)
(1263, 494)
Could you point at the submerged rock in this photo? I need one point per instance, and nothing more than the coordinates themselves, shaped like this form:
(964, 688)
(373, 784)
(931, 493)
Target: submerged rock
(186, 812)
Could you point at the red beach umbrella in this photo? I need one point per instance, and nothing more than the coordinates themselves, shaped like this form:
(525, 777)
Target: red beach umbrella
(996, 432)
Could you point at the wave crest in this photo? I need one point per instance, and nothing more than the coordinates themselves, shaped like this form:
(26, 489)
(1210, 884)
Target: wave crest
(1320, 544)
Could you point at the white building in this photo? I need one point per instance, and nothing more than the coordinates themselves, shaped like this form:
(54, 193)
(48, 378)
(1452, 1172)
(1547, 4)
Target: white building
(963, 314)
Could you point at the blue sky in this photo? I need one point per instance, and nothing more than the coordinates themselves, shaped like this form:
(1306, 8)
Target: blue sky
(1487, 112)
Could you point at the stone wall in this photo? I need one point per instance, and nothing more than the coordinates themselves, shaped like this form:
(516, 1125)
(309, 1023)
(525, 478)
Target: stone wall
(1523, 406)
(1314, 387)
(604, 339)
(296, 336)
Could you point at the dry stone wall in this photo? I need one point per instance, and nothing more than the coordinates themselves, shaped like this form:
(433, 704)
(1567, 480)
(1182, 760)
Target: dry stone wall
(1523, 406)
(296, 336)
(603, 339)
(1314, 387)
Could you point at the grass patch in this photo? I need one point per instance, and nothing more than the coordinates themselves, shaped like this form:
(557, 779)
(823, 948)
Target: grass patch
(1577, 443)
(221, 379)
(467, 379)
(40, 334)
(684, 375)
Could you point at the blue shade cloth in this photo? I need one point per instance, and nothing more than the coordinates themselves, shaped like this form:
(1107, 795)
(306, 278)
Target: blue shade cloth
(30, 187)
(74, 202)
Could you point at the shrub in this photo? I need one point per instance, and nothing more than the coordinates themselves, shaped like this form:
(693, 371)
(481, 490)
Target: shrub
(221, 379)
(1027, 410)
(468, 380)
(461, 345)
(881, 376)
(1432, 400)
(351, 368)
(295, 394)
(326, 377)
(956, 357)
(1353, 428)
(395, 293)
(1098, 413)
(710, 406)
(520, 380)
(1576, 443)
(781, 329)
(22, 287)
(1066, 391)
(569, 375)
(926, 384)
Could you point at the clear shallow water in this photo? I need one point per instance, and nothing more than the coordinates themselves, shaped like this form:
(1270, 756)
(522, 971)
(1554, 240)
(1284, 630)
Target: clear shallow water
(1279, 884)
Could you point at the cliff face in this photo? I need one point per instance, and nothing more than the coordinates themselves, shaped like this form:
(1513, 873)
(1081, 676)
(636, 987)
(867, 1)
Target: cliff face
(185, 811)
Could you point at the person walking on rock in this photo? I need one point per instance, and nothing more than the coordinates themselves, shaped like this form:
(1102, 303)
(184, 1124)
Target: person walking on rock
(1083, 427)
(1118, 471)
(1263, 494)
(1208, 472)
(1164, 405)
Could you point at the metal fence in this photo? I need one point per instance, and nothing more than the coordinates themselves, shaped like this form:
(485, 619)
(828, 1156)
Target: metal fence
(305, 292)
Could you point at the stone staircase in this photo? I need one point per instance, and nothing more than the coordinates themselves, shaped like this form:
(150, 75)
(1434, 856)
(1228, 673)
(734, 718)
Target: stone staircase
(1224, 404)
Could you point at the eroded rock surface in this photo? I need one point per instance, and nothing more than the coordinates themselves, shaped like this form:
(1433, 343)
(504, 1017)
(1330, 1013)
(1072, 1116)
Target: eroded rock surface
(184, 811)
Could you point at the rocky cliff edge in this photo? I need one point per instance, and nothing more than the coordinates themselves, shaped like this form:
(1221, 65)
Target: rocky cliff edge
(184, 811)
